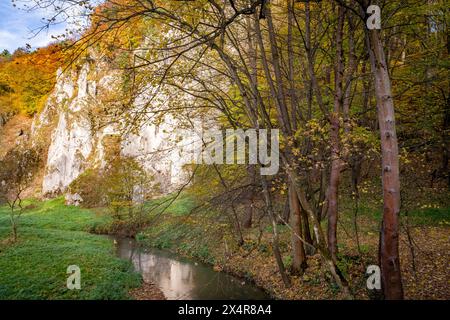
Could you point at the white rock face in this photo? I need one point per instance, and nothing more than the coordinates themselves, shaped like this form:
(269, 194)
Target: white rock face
(75, 146)
(68, 153)
(155, 149)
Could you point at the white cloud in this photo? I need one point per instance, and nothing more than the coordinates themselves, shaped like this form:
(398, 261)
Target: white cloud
(18, 28)
(7, 40)
(20, 37)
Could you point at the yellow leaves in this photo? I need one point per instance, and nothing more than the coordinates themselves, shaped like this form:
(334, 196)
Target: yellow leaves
(363, 190)
(296, 152)
(30, 77)
(430, 206)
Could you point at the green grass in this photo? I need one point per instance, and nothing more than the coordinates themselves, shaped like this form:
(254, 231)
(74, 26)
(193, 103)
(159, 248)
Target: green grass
(417, 217)
(53, 214)
(180, 206)
(429, 216)
(53, 236)
(166, 231)
(176, 229)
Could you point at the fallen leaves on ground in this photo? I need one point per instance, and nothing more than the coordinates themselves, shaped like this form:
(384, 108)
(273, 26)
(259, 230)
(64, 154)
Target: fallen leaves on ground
(148, 291)
(430, 280)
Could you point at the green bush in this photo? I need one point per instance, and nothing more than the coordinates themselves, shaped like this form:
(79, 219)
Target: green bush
(89, 185)
(122, 187)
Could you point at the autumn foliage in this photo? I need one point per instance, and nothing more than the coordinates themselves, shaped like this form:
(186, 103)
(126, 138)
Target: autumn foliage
(27, 77)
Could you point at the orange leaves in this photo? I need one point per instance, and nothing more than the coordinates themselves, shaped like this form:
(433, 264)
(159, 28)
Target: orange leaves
(30, 76)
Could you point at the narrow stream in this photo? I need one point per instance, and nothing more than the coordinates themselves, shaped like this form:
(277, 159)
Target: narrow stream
(181, 278)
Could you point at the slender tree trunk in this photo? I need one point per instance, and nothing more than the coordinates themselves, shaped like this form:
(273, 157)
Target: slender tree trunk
(276, 63)
(286, 211)
(389, 236)
(248, 219)
(445, 141)
(353, 66)
(333, 190)
(291, 74)
(307, 233)
(298, 250)
(315, 88)
(282, 112)
(237, 223)
(318, 233)
(275, 238)
(13, 227)
(356, 169)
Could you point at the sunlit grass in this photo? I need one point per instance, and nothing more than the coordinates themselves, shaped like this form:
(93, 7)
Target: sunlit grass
(53, 236)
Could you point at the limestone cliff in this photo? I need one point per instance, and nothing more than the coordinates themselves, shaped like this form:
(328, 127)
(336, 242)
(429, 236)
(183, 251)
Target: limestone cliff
(77, 119)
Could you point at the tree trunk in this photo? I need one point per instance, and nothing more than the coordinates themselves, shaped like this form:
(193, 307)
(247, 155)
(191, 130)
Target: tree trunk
(333, 190)
(389, 236)
(13, 225)
(248, 219)
(286, 211)
(298, 250)
(445, 141)
(275, 238)
(307, 233)
(282, 113)
(291, 74)
(318, 232)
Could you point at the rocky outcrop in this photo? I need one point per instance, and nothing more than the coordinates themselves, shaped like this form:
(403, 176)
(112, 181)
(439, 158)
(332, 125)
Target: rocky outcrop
(76, 123)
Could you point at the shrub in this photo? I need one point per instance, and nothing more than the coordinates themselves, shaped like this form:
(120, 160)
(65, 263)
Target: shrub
(122, 187)
(17, 170)
(89, 185)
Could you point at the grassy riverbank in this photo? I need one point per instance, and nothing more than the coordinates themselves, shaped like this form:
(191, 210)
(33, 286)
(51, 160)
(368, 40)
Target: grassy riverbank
(53, 236)
(201, 235)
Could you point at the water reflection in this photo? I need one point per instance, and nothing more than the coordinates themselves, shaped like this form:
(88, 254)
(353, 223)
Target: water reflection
(180, 278)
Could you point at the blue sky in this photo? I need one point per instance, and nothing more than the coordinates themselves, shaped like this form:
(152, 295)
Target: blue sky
(16, 27)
